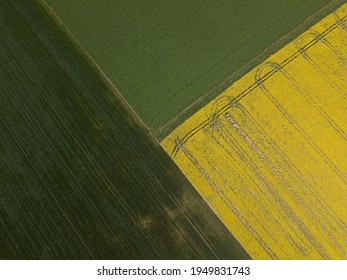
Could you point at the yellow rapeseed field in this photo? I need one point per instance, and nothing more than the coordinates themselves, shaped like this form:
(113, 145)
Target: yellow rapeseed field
(269, 154)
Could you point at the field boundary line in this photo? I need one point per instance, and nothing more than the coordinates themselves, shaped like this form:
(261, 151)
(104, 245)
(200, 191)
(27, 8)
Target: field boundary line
(209, 96)
(253, 86)
(135, 118)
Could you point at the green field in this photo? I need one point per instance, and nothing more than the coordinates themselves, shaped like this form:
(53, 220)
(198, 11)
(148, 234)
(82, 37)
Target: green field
(165, 55)
(80, 176)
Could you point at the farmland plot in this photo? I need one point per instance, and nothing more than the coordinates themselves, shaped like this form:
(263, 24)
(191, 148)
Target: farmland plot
(269, 154)
(80, 176)
(165, 56)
